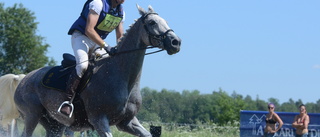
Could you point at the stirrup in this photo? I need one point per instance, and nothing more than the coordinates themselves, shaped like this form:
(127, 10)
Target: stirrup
(66, 103)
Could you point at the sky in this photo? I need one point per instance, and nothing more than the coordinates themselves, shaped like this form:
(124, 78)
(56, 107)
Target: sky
(261, 48)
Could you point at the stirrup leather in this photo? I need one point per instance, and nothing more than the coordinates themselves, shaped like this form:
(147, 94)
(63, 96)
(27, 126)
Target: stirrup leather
(66, 103)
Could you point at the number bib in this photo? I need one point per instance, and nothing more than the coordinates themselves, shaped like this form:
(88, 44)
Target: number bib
(109, 23)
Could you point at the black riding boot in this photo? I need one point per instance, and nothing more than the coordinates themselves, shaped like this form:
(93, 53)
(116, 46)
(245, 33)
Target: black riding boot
(66, 108)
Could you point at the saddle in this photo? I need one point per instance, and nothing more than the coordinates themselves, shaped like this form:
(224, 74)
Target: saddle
(56, 78)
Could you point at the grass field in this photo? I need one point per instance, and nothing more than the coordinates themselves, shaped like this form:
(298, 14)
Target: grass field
(167, 130)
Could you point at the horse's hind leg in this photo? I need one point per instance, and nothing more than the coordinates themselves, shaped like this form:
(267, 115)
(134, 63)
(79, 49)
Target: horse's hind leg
(30, 109)
(133, 127)
(30, 122)
(52, 127)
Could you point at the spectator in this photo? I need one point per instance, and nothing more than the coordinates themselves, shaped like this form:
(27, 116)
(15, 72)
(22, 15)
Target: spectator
(301, 122)
(271, 119)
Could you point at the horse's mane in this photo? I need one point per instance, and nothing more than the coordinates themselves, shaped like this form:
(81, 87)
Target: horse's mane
(8, 84)
(142, 13)
(126, 34)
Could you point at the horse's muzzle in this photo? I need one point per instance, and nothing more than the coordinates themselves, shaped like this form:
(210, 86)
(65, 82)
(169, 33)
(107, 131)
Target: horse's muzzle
(172, 43)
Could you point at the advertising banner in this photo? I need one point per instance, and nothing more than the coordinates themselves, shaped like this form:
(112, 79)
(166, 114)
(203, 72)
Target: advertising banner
(252, 124)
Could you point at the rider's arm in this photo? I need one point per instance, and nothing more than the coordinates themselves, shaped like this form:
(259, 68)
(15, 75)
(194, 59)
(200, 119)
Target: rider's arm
(90, 31)
(119, 28)
(119, 31)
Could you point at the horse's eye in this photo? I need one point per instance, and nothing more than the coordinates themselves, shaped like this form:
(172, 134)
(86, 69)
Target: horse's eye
(152, 22)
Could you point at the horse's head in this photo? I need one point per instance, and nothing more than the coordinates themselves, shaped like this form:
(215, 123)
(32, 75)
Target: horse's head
(157, 32)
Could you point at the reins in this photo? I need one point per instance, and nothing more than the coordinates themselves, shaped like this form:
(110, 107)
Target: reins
(128, 51)
(149, 47)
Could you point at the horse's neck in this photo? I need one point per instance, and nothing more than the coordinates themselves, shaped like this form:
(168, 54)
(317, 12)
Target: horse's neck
(132, 40)
(128, 64)
(131, 62)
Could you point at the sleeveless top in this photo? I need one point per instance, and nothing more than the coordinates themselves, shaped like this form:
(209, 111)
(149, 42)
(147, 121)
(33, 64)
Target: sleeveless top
(302, 119)
(109, 19)
(271, 121)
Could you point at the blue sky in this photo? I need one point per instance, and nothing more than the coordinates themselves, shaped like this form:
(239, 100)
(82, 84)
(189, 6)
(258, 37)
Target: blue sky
(253, 47)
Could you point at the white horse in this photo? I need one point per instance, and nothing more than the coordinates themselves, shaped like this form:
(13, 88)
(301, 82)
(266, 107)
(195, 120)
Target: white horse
(8, 111)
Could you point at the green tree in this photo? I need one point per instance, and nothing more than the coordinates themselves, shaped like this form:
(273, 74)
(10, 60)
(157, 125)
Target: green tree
(203, 109)
(250, 104)
(226, 108)
(289, 106)
(261, 104)
(170, 104)
(21, 50)
(150, 105)
(189, 104)
(311, 107)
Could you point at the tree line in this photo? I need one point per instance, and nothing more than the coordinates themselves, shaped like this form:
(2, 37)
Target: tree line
(191, 107)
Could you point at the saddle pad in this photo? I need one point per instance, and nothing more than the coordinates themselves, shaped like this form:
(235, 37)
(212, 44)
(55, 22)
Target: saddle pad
(56, 78)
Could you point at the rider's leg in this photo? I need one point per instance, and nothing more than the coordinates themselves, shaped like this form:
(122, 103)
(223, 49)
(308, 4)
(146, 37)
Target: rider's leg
(72, 85)
(80, 46)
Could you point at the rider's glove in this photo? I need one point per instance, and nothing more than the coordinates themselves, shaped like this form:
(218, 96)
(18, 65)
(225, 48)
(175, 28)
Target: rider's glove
(111, 50)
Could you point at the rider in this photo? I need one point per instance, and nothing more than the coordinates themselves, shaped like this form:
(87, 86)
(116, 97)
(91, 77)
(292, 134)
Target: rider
(98, 18)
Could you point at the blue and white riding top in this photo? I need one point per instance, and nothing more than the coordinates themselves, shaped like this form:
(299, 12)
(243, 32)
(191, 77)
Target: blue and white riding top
(109, 18)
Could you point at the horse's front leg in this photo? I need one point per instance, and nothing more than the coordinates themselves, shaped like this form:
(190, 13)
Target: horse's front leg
(133, 127)
(101, 125)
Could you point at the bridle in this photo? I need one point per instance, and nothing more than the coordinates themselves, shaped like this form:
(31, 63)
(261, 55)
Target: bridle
(160, 37)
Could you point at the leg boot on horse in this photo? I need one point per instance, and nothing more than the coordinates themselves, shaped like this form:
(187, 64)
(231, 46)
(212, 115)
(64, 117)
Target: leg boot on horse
(66, 108)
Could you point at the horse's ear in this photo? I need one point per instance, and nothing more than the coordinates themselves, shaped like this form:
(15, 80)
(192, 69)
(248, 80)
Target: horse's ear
(150, 9)
(141, 10)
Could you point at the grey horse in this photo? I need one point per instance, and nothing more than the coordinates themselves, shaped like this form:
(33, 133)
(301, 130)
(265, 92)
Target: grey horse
(111, 97)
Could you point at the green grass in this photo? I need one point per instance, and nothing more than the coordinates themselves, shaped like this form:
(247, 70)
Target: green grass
(185, 130)
(168, 130)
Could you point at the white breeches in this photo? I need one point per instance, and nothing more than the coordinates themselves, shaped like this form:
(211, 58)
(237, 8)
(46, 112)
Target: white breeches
(81, 45)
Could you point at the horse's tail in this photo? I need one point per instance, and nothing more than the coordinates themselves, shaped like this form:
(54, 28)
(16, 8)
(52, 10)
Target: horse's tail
(8, 86)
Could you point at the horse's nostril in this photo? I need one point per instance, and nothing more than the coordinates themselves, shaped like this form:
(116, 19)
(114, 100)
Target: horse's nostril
(175, 42)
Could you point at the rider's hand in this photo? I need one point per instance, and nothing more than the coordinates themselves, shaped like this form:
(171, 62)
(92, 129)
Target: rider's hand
(103, 45)
(111, 50)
